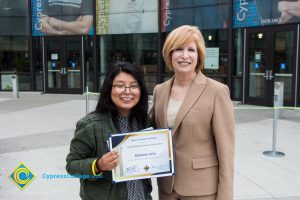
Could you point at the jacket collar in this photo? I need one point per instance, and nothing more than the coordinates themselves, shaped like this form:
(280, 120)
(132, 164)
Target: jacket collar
(195, 91)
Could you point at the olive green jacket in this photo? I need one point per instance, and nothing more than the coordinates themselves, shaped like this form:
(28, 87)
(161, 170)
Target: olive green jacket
(90, 142)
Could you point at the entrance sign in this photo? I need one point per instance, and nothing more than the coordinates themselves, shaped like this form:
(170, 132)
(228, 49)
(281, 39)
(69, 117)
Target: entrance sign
(249, 13)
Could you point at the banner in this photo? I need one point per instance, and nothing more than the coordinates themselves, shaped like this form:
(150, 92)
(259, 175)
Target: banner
(206, 14)
(248, 13)
(126, 16)
(62, 17)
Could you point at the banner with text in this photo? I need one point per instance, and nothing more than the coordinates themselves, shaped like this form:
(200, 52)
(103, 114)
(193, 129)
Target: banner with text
(62, 17)
(206, 14)
(249, 13)
(126, 16)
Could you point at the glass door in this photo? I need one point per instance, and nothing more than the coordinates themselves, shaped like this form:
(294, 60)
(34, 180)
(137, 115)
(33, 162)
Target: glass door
(285, 64)
(270, 62)
(258, 85)
(63, 65)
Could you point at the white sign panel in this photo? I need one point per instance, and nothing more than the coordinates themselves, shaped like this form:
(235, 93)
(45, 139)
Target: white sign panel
(257, 56)
(212, 58)
(6, 83)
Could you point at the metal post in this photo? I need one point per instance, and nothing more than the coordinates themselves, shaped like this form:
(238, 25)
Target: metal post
(279, 93)
(274, 153)
(87, 109)
(15, 85)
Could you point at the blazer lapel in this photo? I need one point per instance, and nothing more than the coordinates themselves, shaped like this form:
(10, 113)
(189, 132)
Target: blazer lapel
(165, 95)
(192, 95)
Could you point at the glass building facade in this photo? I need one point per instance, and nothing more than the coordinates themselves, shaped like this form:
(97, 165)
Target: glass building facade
(60, 46)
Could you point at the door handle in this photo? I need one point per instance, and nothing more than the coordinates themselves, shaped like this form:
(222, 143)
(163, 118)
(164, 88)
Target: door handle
(63, 71)
(266, 76)
(271, 75)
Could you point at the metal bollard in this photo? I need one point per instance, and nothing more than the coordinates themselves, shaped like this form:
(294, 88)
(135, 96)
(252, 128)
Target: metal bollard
(274, 153)
(87, 100)
(15, 85)
(279, 93)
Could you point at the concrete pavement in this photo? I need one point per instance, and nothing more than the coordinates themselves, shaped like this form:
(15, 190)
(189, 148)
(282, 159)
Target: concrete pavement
(36, 129)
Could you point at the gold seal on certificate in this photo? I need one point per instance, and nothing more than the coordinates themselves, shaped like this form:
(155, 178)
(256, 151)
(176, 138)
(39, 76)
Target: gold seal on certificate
(143, 154)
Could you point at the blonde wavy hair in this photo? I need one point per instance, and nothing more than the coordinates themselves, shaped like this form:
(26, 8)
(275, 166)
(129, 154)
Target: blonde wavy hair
(180, 37)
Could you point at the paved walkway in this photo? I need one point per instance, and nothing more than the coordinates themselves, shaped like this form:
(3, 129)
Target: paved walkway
(37, 128)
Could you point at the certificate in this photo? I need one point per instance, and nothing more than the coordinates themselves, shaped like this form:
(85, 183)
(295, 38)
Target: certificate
(143, 154)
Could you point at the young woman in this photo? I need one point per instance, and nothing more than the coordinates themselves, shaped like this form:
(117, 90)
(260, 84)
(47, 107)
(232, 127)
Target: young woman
(122, 107)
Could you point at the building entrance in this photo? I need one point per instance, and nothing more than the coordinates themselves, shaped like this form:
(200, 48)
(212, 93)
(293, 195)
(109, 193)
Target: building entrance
(270, 60)
(63, 65)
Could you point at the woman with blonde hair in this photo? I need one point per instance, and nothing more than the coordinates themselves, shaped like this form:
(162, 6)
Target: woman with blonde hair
(200, 113)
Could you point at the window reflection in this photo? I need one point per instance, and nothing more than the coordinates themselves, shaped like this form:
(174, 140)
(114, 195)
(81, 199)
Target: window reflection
(14, 58)
(284, 61)
(139, 49)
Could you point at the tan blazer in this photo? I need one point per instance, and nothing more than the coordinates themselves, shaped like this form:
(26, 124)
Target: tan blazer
(203, 139)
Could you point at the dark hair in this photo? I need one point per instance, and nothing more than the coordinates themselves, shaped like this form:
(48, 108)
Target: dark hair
(105, 104)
